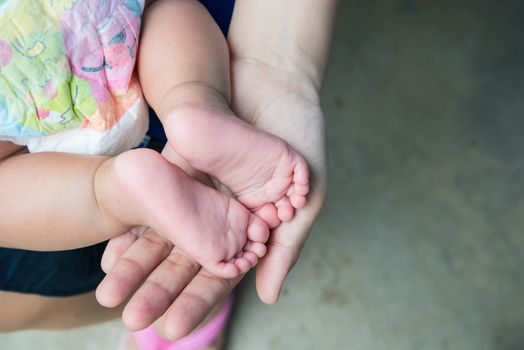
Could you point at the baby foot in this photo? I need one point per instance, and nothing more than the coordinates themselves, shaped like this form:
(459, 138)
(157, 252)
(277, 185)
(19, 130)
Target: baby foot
(263, 171)
(215, 230)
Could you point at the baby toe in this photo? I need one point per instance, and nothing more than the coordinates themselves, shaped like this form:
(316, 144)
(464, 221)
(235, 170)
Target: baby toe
(251, 257)
(298, 201)
(285, 209)
(301, 172)
(257, 230)
(243, 265)
(259, 249)
(300, 189)
(269, 214)
(225, 269)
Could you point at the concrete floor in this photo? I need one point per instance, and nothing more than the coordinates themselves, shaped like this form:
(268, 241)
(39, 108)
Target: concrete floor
(421, 243)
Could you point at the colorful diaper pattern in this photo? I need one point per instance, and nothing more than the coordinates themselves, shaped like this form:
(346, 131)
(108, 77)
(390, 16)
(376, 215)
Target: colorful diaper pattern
(66, 64)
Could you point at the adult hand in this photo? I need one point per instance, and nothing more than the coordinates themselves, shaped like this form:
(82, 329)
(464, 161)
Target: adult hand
(278, 54)
(169, 283)
(279, 51)
(158, 278)
(285, 104)
(168, 279)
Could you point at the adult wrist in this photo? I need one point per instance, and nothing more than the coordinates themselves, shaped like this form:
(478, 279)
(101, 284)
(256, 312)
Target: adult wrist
(290, 66)
(292, 36)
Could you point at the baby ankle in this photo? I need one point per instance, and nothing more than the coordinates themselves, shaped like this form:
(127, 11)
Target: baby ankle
(108, 199)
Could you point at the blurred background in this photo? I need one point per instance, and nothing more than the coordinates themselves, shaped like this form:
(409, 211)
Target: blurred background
(421, 243)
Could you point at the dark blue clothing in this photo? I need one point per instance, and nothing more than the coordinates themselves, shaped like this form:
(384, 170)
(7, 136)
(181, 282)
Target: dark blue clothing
(72, 272)
(61, 273)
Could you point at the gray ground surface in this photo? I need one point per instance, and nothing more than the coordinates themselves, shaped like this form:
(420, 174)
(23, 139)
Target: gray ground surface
(421, 243)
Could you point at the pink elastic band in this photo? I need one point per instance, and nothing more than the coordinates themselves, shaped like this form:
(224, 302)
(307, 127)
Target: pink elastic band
(148, 339)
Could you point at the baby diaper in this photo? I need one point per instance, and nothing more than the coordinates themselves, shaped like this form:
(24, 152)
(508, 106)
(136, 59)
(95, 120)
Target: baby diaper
(67, 80)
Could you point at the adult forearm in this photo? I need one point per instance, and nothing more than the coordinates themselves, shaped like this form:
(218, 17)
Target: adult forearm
(291, 35)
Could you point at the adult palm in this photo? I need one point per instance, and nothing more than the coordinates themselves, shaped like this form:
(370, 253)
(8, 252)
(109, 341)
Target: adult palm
(285, 104)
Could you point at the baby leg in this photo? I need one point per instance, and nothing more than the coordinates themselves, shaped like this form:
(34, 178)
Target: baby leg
(184, 71)
(56, 201)
(215, 230)
(48, 202)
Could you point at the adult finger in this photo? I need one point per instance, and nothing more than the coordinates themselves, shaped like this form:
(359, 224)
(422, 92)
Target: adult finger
(132, 267)
(284, 247)
(159, 290)
(117, 246)
(195, 302)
